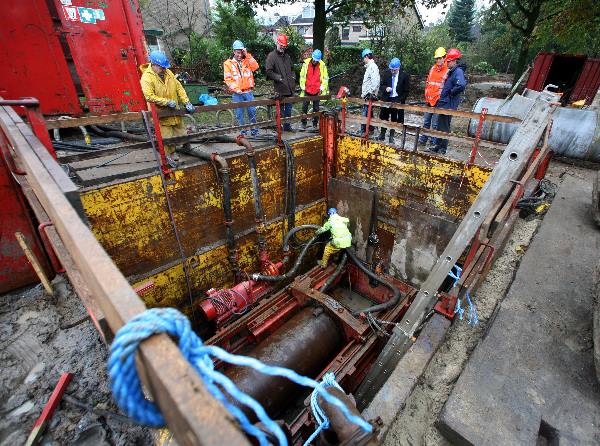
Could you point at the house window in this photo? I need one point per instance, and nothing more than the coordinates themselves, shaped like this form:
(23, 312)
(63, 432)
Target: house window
(356, 28)
(345, 33)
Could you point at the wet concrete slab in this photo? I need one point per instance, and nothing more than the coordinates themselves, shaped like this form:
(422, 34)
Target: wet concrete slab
(531, 380)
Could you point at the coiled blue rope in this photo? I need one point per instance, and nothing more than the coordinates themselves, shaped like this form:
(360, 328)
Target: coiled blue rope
(455, 276)
(126, 386)
(473, 319)
(320, 417)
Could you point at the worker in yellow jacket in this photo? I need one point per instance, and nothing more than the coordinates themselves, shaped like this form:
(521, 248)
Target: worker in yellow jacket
(314, 81)
(340, 235)
(160, 86)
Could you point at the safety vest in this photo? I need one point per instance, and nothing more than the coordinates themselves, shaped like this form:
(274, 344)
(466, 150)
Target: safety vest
(240, 76)
(323, 76)
(435, 82)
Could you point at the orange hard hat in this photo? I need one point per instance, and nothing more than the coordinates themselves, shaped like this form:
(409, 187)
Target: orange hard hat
(453, 54)
(282, 39)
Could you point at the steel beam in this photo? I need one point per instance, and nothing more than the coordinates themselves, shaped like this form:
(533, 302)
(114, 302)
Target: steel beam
(439, 111)
(193, 415)
(513, 161)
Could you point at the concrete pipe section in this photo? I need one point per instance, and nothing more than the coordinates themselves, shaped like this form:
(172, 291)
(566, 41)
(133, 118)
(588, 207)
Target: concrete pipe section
(306, 344)
(575, 132)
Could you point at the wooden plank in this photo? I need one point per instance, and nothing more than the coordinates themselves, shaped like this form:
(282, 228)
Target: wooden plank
(439, 111)
(449, 136)
(68, 264)
(19, 133)
(206, 134)
(192, 414)
(137, 116)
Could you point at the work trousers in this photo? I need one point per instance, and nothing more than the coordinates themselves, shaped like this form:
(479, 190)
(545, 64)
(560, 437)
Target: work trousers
(286, 112)
(363, 127)
(315, 108)
(430, 120)
(239, 112)
(328, 252)
(443, 125)
(170, 131)
(396, 115)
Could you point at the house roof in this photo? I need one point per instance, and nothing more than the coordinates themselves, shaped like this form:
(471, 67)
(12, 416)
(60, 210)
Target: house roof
(302, 20)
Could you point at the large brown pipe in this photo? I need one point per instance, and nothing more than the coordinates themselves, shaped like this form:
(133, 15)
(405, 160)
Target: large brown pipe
(305, 344)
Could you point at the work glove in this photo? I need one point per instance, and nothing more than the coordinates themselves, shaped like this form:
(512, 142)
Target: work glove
(388, 89)
(322, 88)
(171, 104)
(190, 107)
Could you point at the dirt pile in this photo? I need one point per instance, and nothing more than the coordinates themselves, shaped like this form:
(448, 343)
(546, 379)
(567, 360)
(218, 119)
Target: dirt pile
(40, 338)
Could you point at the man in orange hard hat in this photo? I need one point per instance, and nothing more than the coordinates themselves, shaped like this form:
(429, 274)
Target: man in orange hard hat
(450, 96)
(278, 68)
(433, 88)
(238, 74)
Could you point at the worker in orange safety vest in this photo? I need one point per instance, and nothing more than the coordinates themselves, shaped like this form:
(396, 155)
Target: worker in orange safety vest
(238, 74)
(433, 89)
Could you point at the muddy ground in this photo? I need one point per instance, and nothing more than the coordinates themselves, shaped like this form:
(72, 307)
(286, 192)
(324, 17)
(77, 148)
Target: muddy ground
(40, 338)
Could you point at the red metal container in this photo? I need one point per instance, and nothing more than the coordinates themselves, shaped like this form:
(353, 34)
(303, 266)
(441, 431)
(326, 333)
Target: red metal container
(73, 55)
(577, 76)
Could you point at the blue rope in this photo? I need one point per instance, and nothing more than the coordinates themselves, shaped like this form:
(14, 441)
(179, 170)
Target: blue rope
(458, 309)
(320, 416)
(473, 319)
(126, 386)
(455, 276)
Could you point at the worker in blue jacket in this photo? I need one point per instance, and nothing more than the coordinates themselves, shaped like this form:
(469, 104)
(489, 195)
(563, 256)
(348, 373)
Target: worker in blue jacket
(451, 95)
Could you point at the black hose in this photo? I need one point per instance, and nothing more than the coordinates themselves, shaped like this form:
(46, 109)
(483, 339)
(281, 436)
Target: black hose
(290, 234)
(290, 167)
(118, 134)
(224, 171)
(292, 271)
(258, 210)
(384, 306)
(336, 273)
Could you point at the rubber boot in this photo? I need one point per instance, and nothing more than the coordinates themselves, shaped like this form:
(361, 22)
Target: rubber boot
(381, 136)
(392, 133)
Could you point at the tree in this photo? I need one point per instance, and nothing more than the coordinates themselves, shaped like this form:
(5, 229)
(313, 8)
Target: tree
(365, 9)
(578, 19)
(460, 18)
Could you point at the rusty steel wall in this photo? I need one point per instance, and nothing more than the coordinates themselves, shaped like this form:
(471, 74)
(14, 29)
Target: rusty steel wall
(131, 220)
(421, 200)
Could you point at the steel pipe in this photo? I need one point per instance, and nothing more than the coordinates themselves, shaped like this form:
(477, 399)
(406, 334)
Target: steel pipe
(575, 132)
(306, 344)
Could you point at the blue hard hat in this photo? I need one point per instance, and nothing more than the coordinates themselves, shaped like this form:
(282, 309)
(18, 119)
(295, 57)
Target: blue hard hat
(159, 58)
(317, 55)
(394, 63)
(366, 52)
(331, 211)
(238, 45)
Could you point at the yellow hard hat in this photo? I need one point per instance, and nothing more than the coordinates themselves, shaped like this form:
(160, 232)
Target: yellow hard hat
(440, 52)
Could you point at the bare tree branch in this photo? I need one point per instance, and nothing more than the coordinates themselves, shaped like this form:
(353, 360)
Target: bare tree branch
(508, 16)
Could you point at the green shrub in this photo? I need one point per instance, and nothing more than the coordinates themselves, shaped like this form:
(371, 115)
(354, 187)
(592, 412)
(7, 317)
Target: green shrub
(484, 68)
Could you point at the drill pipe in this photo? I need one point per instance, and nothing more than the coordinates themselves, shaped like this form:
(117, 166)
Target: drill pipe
(258, 210)
(224, 171)
(306, 344)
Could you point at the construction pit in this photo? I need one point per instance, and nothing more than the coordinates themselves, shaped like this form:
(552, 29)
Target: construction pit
(216, 238)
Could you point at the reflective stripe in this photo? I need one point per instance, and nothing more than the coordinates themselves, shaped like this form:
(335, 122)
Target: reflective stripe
(439, 84)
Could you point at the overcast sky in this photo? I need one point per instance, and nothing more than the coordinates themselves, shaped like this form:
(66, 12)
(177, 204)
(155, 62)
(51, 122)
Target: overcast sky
(430, 16)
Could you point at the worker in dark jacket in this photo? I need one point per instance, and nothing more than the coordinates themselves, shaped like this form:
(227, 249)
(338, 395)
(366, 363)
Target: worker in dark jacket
(394, 88)
(451, 95)
(278, 68)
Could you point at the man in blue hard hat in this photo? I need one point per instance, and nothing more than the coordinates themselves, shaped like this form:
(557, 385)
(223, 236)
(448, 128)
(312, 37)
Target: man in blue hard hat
(394, 88)
(340, 235)
(238, 74)
(314, 81)
(370, 85)
(160, 86)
